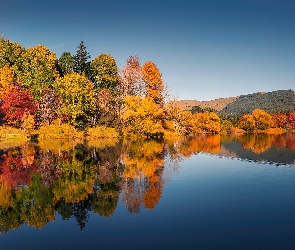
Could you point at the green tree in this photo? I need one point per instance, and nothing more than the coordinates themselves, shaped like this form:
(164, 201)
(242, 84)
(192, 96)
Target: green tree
(66, 63)
(78, 96)
(9, 52)
(36, 69)
(105, 72)
(81, 63)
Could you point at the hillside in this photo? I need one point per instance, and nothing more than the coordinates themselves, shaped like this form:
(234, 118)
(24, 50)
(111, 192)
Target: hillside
(271, 102)
(217, 104)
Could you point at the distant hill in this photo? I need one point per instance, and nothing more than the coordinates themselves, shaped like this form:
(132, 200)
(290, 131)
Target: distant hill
(271, 102)
(217, 104)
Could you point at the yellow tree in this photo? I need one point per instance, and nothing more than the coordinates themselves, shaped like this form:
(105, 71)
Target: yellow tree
(36, 69)
(142, 117)
(10, 52)
(247, 122)
(208, 122)
(153, 82)
(6, 81)
(262, 119)
(78, 97)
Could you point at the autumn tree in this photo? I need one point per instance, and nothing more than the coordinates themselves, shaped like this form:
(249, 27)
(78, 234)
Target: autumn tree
(131, 78)
(142, 117)
(291, 120)
(262, 119)
(247, 122)
(36, 69)
(279, 120)
(66, 63)
(208, 122)
(78, 97)
(6, 81)
(18, 103)
(153, 83)
(81, 63)
(10, 52)
(106, 109)
(48, 106)
(105, 72)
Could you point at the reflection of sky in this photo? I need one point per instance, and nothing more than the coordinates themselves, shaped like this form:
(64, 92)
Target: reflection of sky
(204, 48)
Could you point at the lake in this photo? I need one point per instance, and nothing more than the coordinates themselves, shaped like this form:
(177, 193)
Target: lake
(207, 192)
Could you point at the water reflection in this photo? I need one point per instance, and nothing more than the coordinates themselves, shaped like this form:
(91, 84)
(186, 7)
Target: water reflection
(72, 179)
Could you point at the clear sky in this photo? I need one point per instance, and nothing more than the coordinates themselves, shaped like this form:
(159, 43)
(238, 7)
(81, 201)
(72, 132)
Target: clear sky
(205, 49)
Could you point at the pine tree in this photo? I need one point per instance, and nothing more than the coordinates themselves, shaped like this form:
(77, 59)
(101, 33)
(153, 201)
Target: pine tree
(81, 63)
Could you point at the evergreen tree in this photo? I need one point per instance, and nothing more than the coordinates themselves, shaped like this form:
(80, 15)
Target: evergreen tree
(81, 63)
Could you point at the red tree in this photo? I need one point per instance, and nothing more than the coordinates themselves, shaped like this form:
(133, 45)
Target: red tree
(16, 104)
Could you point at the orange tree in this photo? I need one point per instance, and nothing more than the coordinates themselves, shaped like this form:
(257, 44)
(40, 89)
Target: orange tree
(153, 82)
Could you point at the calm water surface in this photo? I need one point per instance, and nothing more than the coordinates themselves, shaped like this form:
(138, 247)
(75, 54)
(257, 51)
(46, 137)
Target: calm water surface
(200, 193)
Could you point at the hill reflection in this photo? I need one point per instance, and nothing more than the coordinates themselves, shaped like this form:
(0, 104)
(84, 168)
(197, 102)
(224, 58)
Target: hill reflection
(37, 181)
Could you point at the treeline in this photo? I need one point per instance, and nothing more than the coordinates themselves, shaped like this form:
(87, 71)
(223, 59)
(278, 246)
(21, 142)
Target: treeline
(40, 93)
(271, 102)
(75, 97)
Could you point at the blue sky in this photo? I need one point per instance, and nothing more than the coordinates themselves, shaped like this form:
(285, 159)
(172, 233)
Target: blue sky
(205, 49)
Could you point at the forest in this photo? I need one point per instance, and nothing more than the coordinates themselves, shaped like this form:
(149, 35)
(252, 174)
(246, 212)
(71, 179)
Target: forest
(45, 97)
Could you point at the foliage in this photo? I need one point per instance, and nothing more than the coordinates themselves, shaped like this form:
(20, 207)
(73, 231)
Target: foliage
(262, 119)
(66, 63)
(10, 52)
(10, 133)
(78, 97)
(279, 120)
(131, 78)
(208, 122)
(153, 82)
(107, 109)
(36, 69)
(6, 81)
(101, 132)
(142, 117)
(16, 104)
(81, 63)
(105, 72)
(58, 131)
(247, 122)
(48, 107)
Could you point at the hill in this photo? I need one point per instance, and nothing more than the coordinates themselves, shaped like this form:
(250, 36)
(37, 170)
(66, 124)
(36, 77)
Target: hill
(217, 104)
(271, 102)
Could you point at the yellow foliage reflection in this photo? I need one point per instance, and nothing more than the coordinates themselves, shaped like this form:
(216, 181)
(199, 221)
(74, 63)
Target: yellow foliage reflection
(258, 143)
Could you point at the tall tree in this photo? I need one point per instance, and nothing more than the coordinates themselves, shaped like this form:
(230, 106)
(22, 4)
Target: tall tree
(66, 63)
(36, 69)
(131, 78)
(78, 97)
(81, 63)
(154, 82)
(105, 72)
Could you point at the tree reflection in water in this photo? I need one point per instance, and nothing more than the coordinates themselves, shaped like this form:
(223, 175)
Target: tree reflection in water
(72, 179)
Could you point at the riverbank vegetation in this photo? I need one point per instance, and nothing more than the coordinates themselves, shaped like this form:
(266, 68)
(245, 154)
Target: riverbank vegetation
(73, 97)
